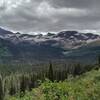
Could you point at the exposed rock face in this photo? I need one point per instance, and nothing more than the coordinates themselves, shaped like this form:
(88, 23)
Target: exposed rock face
(49, 46)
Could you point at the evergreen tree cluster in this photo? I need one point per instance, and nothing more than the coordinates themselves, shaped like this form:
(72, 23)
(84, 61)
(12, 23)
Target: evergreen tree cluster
(22, 82)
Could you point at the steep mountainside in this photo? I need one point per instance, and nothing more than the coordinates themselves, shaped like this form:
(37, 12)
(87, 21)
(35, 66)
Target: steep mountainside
(63, 45)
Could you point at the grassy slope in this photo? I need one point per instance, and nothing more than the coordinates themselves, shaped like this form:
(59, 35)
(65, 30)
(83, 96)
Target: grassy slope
(85, 87)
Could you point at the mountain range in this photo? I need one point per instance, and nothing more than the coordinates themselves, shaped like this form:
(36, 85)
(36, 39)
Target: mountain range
(72, 45)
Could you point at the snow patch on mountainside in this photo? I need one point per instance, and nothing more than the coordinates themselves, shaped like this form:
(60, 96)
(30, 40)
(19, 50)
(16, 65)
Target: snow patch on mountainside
(64, 39)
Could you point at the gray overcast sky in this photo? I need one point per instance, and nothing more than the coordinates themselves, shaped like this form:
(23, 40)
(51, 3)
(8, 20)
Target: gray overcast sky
(50, 15)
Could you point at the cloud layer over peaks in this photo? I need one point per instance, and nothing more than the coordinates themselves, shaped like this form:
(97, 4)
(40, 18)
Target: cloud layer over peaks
(50, 15)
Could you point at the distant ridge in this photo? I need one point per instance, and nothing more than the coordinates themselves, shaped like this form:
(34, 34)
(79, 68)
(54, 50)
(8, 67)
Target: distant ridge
(63, 45)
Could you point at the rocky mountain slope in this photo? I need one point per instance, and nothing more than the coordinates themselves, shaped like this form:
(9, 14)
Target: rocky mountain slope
(65, 44)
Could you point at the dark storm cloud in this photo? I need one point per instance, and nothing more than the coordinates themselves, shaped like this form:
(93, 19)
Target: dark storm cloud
(75, 3)
(50, 15)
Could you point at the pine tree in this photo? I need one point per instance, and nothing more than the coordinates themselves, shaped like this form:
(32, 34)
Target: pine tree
(99, 60)
(1, 89)
(98, 63)
(23, 85)
(50, 73)
(12, 90)
(32, 82)
(77, 70)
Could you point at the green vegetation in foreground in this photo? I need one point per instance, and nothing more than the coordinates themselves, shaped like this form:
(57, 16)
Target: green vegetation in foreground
(84, 87)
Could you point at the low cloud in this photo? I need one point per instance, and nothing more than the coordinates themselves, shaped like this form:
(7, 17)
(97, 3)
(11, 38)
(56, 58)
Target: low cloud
(50, 15)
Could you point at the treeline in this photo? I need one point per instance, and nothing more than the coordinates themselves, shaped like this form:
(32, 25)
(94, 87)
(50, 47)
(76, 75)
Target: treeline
(20, 82)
